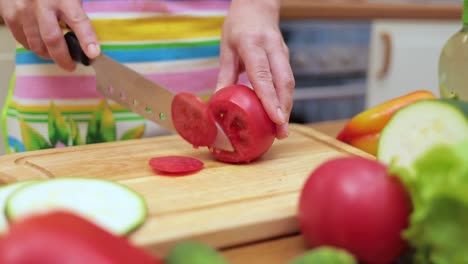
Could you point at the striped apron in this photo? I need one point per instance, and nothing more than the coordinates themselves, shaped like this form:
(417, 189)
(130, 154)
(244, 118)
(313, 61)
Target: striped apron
(174, 43)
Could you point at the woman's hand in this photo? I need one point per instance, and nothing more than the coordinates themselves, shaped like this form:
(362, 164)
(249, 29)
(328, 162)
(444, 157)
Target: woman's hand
(251, 41)
(35, 24)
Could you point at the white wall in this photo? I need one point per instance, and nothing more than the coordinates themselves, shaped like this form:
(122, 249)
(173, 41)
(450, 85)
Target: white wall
(7, 56)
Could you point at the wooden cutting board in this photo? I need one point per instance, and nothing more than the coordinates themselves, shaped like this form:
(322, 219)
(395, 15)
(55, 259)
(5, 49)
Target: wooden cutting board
(223, 205)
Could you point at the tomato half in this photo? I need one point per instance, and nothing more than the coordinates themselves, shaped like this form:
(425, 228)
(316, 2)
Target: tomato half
(240, 113)
(352, 203)
(192, 120)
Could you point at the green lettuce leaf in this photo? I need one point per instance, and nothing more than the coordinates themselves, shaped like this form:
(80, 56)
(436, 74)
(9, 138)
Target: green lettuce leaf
(325, 255)
(438, 184)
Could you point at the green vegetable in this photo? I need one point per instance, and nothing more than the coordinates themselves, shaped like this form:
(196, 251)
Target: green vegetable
(5, 192)
(190, 252)
(418, 126)
(110, 205)
(325, 255)
(438, 184)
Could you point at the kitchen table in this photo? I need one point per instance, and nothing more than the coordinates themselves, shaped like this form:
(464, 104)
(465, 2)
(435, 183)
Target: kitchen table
(274, 238)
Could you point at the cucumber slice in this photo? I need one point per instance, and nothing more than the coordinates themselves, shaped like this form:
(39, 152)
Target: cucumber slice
(417, 127)
(5, 192)
(110, 205)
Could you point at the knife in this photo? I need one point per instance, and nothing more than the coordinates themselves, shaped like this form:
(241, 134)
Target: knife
(134, 91)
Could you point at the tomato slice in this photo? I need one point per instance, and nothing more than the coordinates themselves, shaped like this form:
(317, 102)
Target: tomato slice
(176, 164)
(193, 120)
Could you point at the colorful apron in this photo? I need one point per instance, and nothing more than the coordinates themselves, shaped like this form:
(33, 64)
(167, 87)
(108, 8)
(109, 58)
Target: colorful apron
(175, 43)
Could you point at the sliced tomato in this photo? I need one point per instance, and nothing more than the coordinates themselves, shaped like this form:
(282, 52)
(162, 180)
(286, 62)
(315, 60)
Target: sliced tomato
(240, 113)
(192, 120)
(177, 165)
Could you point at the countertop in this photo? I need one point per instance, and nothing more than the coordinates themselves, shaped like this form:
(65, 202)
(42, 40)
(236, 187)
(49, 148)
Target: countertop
(364, 9)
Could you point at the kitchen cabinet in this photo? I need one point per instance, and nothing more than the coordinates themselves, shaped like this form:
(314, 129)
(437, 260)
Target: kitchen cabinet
(404, 56)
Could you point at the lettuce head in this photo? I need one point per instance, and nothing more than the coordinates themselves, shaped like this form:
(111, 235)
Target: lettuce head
(438, 184)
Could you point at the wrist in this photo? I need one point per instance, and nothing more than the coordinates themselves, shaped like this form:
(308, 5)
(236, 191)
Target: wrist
(267, 5)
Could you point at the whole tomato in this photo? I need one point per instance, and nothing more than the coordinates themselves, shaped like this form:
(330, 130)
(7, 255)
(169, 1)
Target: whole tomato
(61, 237)
(240, 113)
(354, 204)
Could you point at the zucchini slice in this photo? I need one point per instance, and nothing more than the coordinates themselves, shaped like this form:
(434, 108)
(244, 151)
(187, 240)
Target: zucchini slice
(5, 192)
(417, 127)
(108, 204)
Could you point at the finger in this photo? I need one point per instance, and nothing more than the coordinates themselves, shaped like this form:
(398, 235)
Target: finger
(258, 70)
(228, 68)
(282, 131)
(52, 37)
(12, 18)
(17, 32)
(78, 21)
(283, 80)
(34, 39)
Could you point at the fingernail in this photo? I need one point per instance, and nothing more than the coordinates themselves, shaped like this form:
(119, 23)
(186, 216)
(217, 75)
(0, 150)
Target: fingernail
(280, 114)
(282, 131)
(93, 50)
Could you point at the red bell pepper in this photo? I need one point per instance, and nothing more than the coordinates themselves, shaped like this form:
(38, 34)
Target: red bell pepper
(65, 238)
(363, 130)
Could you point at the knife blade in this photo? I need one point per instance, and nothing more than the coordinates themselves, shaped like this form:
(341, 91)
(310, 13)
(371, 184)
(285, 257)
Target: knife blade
(134, 91)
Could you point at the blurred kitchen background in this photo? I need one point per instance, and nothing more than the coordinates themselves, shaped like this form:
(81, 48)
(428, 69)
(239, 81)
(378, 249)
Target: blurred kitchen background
(346, 55)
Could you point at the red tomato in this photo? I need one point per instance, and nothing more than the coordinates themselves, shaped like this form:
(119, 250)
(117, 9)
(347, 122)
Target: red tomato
(62, 237)
(192, 120)
(176, 165)
(240, 113)
(352, 203)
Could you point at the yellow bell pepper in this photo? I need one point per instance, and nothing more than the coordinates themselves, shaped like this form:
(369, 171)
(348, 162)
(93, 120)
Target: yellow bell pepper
(363, 130)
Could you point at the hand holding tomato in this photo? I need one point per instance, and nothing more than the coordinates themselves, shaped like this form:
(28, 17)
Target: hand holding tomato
(238, 110)
(251, 40)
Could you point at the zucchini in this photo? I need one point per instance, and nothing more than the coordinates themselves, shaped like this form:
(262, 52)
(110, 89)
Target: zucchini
(5, 192)
(110, 205)
(418, 126)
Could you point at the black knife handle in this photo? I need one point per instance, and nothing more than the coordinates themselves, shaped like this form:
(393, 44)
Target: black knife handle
(76, 52)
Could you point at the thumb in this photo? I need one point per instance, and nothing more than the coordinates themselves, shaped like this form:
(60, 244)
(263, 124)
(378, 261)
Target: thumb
(228, 68)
